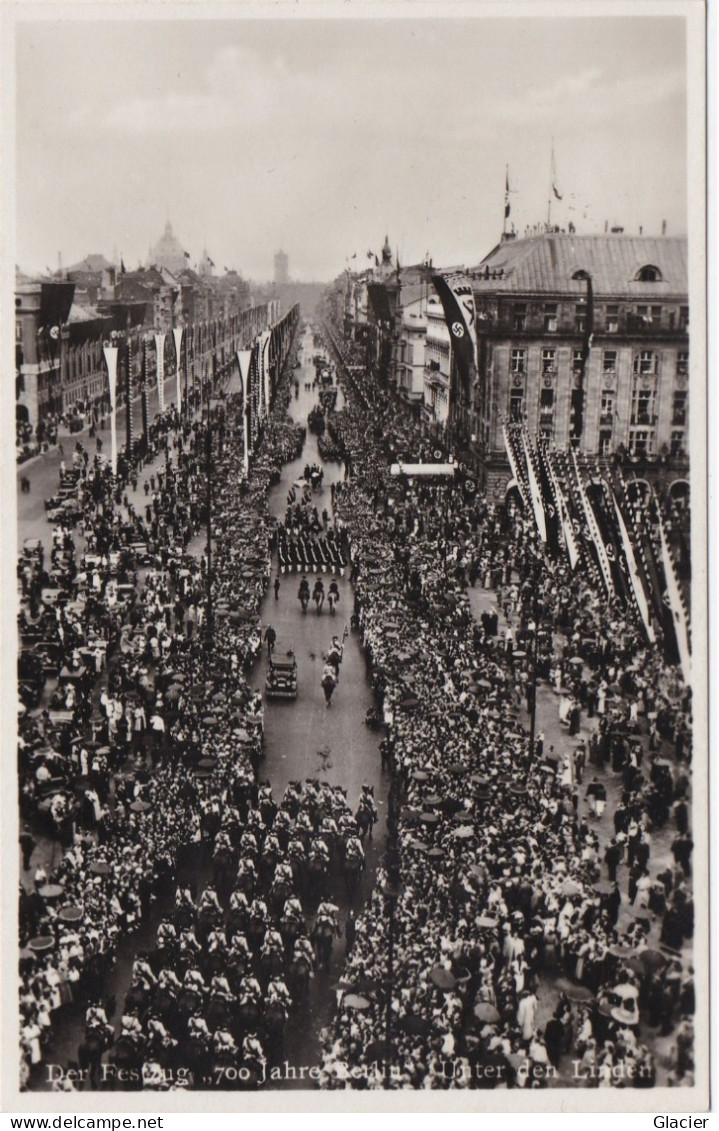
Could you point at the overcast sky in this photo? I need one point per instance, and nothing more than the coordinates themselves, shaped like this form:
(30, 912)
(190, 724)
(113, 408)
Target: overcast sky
(321, 137)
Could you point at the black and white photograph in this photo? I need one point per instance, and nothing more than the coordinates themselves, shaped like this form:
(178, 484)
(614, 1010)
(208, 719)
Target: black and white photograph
(355, 581)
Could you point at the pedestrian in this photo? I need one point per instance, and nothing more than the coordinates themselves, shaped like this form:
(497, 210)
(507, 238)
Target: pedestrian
(27, 845)
(277, 588)
(271, 638)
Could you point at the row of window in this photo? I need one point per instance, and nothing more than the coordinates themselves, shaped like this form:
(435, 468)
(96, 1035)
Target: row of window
(643, 408)
(608, 321)
(645, 362)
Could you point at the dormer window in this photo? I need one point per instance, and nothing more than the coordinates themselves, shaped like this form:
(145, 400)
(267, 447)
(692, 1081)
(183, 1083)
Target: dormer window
(648, 274)
(581, 275)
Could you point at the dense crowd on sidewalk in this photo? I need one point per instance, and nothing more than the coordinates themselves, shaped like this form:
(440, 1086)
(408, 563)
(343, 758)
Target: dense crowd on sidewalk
(495, 881)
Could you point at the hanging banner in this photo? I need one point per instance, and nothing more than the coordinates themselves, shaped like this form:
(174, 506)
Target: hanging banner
(264, 363)
(637, 587)
(110, 353)
(513, 465)
(244, 360)
(160, 350)
(599, 546)
(177, 335)
(566, 523)
(535, 492)
(676, 604)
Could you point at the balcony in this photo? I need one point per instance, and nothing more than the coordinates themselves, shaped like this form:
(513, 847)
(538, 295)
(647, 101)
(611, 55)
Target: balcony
(647, 419)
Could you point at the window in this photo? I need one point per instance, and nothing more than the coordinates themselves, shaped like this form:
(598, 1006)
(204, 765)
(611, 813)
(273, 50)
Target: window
(645, 362)
(676, 444)
(546, 404)
(612, 317)
(650, 315)
(609, 361)
(550, 317)
(640, 441)
(410, 355)
(546, 431)
(548, 360)
(516, 405)
(605, 441)
(643, 406)
(648, 274)
(683, 317)
(606, 406)
(679, 407)
(577, 360)
(580, 318)
(682, 363)
(18, 330)
(518, 360)
(520, 316)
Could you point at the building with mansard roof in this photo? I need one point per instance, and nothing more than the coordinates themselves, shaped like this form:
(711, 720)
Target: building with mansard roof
(585, 341)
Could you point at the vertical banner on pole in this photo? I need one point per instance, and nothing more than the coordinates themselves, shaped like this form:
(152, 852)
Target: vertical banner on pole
(265, 369)
(244, 359)
(110, 353)
(160, 350)
(145, 422)
(177, 335)
(129, 438)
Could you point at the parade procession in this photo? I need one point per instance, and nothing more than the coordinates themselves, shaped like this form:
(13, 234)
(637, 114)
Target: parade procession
(361, 721)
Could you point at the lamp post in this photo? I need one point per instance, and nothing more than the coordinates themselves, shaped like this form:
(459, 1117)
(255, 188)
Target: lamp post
(391, 889)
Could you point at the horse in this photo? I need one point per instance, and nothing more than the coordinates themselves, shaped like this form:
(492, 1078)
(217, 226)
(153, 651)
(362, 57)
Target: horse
(299, 976)
(274, 1019)
(323, 934)
(137, 998)
(280, 891)
(89, 1053)
(365, 817)
(128, 1058)
(247, 1016)
(272, 963)
(352, 871)
(219, 1012)
(317, 868)
(224, 864)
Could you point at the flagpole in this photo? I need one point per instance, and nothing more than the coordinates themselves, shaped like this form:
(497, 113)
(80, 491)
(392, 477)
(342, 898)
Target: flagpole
(506, 199)
(551, 182)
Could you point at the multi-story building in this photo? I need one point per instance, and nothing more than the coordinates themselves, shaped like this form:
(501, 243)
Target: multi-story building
(437, 366)
(584, 340)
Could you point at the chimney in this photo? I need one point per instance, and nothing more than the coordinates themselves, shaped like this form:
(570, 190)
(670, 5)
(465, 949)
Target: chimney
(664, 227)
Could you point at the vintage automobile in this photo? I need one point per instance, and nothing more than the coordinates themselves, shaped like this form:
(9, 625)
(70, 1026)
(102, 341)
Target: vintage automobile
(281, 681)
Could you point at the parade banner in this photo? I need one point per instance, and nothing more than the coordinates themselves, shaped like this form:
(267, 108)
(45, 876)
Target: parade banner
(535, 492)
(111, 353)
(593, 528)
(513, 464)
(636, 582)
(160, 350)
(676, 604)
(264, 363)
(177, 335)
(564, 518)
(244, 360)
(459, 313)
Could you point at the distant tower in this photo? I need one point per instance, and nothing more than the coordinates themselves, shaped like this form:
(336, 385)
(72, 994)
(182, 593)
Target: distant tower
(386, 252)
(282, 274)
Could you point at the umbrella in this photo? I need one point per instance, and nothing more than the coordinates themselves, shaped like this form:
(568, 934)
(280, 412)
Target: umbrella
(50, 891)
(355, 1001)
(579, 993)
(442, 978)
(618, 951)
(519, 654)
(419, 845)
(517, 788)
(408, 814)
(207, 763)
(378, 1050)
(464, 832)
(209, 720)
(577, 660)
(100, 868)
(435, 853)
(457, 768)
(432, 799)
(70, 914)
(420, 775)
(485, 922)
(41, 943)
(569, 887)
(409, 702)
(485, 1011)
(603, 887)
(429, 818)
(484, 683)
(651, 960)
(140, 806)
